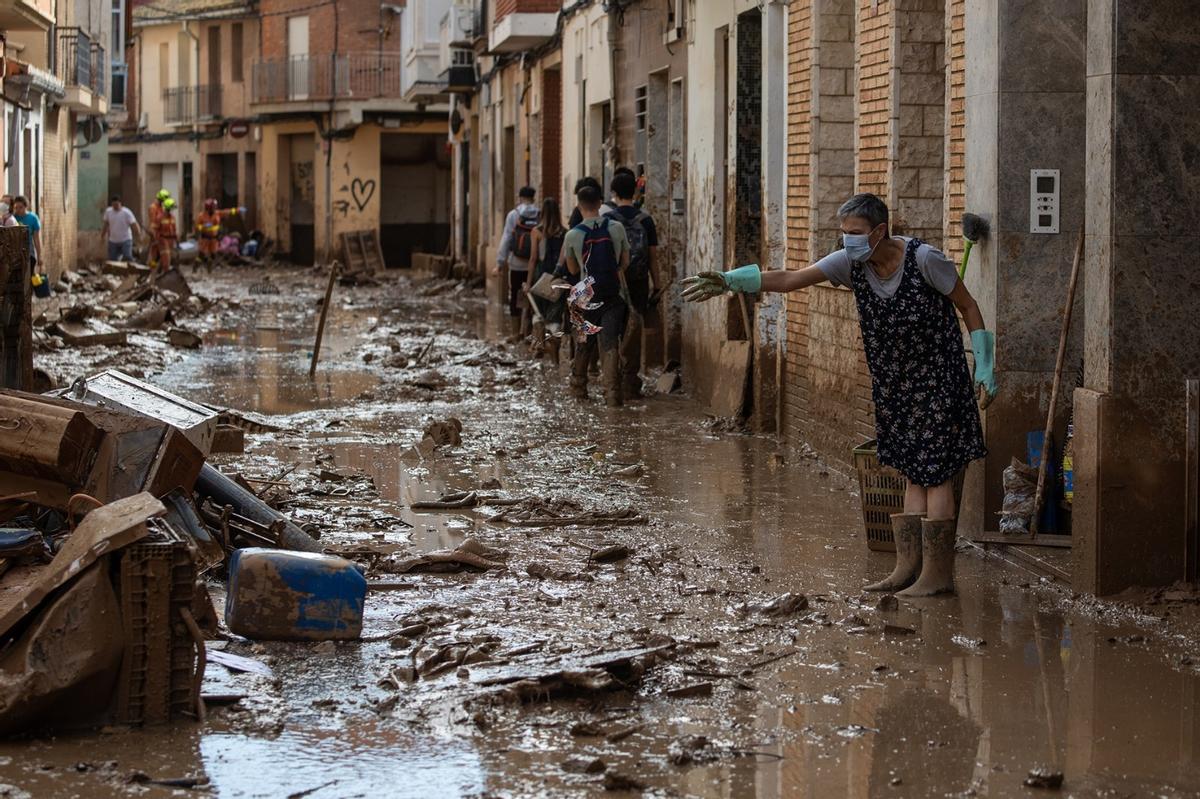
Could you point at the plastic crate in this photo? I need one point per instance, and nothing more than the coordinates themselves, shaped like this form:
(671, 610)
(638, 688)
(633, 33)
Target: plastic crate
(882, 489)
(157, 578)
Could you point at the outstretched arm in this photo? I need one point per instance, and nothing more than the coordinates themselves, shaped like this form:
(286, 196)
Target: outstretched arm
(750, 280)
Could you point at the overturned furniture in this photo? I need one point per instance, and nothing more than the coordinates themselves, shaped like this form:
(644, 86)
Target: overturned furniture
(58, 448)
(106, 632)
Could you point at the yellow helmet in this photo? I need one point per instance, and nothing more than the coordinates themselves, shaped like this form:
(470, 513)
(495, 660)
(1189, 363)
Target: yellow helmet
(169, 204)
(163, 195)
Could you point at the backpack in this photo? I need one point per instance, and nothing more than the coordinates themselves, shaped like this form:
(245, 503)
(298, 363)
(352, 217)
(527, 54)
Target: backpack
(553, 250)
(600, 260)
(522, 236)
(639, 252)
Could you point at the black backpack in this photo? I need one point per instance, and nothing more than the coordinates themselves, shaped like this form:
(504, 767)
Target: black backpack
(553, 250)
(600, 260)
(522, 236)
(639, 251)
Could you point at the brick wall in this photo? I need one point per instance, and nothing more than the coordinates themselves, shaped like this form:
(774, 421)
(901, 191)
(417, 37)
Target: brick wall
(827, 387)
(919, 177)
(955, 194)
(876, 21)
(358, 25)
(551, 137)
(834, 121)
(506, 7)
(57, 203)
(796, 388)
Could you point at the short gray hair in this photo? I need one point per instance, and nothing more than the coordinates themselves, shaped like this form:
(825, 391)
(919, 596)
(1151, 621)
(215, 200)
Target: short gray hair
(865, 206)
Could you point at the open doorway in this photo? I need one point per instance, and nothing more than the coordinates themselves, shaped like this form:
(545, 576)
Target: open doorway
(221, 179)
(415, 181)
(298, 195)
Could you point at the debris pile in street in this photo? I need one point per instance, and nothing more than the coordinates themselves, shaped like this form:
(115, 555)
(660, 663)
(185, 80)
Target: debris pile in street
(110, 517)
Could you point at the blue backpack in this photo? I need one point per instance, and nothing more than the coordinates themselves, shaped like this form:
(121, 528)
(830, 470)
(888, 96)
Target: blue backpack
(600, 260)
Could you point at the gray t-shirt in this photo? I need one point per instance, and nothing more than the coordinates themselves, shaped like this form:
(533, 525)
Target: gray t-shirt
(938, 271)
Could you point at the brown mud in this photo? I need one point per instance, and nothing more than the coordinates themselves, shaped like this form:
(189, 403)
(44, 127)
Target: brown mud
(749, 693)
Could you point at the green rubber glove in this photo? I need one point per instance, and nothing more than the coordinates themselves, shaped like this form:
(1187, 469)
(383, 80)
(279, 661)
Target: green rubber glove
(706, 285)
(983, 345)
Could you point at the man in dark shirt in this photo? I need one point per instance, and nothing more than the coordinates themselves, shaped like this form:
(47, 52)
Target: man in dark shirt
(643, 246)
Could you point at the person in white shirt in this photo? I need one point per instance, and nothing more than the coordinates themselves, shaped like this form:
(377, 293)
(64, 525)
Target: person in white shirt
(119, 228)
(516, 245)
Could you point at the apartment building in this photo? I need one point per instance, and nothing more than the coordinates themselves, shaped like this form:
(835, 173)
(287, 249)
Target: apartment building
(185, 123)
(353, 114)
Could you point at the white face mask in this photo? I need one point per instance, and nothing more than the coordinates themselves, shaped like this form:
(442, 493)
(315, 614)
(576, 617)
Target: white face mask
(857, 246)
(3, 209)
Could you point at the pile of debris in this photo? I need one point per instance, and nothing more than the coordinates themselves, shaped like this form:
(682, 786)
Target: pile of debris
(109, 519)
(127, 297)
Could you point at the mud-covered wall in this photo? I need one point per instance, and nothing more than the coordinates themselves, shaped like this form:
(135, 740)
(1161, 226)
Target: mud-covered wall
(1024, 67)
(1140, 293)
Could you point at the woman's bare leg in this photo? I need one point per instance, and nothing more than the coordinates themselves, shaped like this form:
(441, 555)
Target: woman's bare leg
(916, 499)
(941, 502)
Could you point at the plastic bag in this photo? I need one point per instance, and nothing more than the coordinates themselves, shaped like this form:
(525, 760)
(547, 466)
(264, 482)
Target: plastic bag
(1020, 487)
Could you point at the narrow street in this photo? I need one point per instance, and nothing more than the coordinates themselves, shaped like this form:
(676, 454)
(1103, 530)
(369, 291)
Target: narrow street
(733, 689)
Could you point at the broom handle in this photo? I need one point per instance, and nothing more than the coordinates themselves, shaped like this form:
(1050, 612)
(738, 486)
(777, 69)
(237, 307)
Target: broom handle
(962, 270)
(1040, 495)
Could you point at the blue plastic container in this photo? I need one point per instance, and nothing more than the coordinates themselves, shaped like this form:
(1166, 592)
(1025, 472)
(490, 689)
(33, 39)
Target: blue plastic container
(280, 595)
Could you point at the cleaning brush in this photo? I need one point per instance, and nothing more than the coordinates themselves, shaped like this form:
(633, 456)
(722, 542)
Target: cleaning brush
(974, 228)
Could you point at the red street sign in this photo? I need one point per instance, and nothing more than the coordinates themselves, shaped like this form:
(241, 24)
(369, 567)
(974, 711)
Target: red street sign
(239, 128)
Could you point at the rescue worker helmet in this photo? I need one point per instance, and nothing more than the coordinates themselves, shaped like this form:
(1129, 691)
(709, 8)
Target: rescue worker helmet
(163, 195)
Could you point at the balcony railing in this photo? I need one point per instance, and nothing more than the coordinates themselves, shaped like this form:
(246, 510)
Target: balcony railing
(99, 69)
(75, 58)
(353, 76)
(185, 105)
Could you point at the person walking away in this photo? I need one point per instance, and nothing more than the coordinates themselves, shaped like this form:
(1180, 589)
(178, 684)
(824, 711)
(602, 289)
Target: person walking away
(547, 244)
(598, 253)
(166, 239)
(27, 218)
(926, 417)
(605, 208)
(516, 246)
(153, 219)
(642, 236)
(118, 230)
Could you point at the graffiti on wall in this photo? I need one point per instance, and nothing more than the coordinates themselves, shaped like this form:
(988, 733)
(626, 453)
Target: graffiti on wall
(355, 195)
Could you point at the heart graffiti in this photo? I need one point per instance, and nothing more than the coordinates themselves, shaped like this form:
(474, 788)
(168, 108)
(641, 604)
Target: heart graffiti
(361, 191)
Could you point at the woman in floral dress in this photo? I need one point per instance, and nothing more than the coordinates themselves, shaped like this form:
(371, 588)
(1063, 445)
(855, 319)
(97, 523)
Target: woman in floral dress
(926, 417)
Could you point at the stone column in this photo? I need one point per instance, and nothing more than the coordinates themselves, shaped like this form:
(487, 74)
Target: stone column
(1025, 104)
(1141, 290)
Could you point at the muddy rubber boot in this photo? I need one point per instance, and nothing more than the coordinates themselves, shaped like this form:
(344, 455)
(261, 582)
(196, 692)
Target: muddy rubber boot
(610, 368)
(906, 529)
(579, 372)
(631, 385)
(552, 348)
(937, 555)
(537, 344)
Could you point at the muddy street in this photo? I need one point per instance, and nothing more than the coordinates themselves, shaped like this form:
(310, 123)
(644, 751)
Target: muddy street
(637, 600)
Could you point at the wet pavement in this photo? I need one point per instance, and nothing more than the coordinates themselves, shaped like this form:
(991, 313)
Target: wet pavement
(941, 697)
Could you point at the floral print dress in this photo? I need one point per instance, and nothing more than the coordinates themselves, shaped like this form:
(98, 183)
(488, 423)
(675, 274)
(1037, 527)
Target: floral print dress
(926, 419)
